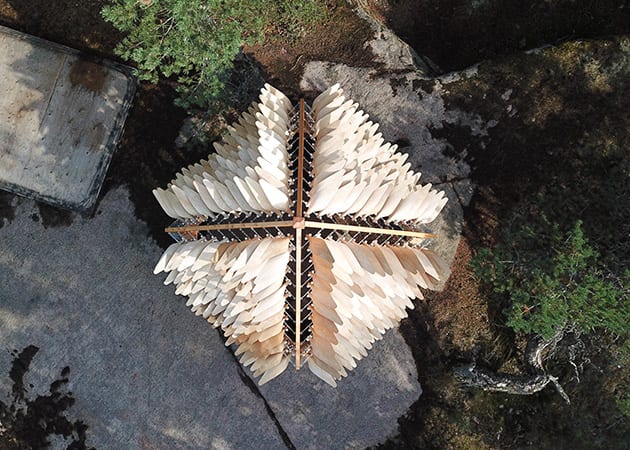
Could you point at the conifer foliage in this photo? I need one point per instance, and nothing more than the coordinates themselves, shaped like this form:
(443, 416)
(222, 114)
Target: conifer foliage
(196, 41)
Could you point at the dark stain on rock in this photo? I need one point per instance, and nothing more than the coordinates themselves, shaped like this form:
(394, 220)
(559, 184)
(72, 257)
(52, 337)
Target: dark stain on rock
(20, 366)
(402, 143)
(396, 83)
(98, 133)
(23, 112)
(54, 217)
(7, 210)
(30, 422)
(87, 74)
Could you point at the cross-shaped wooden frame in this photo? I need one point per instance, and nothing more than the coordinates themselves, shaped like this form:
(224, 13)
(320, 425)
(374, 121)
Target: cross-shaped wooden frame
(301, 142)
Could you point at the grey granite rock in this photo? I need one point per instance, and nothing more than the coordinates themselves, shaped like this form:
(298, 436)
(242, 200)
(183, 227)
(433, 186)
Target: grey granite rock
(362, 410)
(406, 114)
(389, 51)
(144, 371)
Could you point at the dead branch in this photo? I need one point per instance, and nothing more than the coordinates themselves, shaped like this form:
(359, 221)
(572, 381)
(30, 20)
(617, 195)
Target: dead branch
(534, 381)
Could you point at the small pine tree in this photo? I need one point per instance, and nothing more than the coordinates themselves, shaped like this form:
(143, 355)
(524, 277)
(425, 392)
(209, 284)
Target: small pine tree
(197, 40)
(553, 279)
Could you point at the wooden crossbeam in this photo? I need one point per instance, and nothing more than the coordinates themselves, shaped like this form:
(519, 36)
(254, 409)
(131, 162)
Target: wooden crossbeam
(300, 173)
(298, 297)
(344, 227)
(298, 239)
(307, 224)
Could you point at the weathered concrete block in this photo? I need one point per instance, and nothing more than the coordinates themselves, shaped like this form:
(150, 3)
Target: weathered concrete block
(61, 116)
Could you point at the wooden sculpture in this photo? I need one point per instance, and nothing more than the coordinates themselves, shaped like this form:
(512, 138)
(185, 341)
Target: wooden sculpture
(302, 237)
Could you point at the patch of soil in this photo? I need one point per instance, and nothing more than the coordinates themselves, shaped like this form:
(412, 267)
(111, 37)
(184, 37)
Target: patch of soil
(77, 24)
(455, 34)
(340, 38)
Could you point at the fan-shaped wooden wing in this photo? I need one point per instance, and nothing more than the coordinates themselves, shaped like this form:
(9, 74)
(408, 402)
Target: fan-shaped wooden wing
(360, 291)
(356, 172)
(240, 287)
(248, 173)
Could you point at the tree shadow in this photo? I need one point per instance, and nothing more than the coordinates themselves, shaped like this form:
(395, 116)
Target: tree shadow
(76, 24)
(455, 34)
(30, 422)
(563, 140)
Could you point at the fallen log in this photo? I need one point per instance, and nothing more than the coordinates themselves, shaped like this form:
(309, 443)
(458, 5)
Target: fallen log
(536, 379)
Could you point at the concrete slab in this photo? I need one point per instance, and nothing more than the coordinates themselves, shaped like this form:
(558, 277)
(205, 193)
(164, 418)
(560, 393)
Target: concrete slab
(144, 371)
(61, 115)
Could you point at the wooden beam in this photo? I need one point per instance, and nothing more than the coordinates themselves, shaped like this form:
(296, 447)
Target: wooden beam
(344, 227)
(298, 238)
(300, 171)
(229, 226)
(307, 224)
(298, 296)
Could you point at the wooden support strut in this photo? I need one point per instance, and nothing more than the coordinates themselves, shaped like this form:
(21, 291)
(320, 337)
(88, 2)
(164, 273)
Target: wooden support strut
(298, 240)
(299, 222)
(344, 227)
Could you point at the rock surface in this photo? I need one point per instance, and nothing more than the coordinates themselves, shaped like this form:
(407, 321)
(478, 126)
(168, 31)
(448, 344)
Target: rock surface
(144, 371)
(361, 411)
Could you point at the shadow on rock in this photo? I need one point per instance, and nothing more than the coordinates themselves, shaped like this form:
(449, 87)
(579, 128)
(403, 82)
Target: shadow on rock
(31, 422)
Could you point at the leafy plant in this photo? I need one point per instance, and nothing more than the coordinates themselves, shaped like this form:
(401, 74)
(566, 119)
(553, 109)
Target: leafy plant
(197, 40)
(551, 279)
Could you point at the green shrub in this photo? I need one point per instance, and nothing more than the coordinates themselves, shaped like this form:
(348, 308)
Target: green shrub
(623, 403)
(551, 279)
(197, 40)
